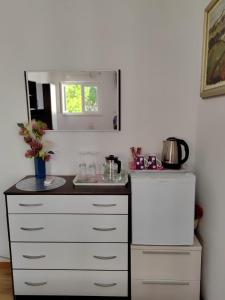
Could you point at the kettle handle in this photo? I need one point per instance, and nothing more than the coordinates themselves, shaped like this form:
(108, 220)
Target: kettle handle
(186, 149)
(118, 162)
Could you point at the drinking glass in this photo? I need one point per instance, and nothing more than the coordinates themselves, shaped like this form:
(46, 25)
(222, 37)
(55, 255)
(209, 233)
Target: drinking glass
(92, 170)
(82, 170)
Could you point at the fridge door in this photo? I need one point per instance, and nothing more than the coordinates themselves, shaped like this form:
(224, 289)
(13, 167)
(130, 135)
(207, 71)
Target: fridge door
(163, 208)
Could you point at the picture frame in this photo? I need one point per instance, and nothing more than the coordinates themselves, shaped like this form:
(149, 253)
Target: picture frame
(213, 52)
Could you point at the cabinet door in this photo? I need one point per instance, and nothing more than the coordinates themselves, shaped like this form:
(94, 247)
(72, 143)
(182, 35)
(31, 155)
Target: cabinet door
(68, 228)
(165, 290)
(163, 209)
(174, 264)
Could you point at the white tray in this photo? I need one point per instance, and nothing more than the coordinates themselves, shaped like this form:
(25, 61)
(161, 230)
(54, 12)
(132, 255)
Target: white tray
(99, 180)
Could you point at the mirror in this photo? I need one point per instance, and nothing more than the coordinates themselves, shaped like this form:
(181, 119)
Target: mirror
(74, 100)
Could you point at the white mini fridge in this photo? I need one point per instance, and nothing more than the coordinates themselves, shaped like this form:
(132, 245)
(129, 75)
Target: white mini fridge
(163, 208)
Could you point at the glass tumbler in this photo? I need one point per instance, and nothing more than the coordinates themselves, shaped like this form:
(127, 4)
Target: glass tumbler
(82, 170)
(92, 170)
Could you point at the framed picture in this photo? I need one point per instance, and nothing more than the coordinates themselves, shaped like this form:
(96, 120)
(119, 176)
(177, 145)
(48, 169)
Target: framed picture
(213, 56)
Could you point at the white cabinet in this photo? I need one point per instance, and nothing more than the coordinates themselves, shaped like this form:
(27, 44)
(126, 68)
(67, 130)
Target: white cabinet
(165, 272)
(69, 244)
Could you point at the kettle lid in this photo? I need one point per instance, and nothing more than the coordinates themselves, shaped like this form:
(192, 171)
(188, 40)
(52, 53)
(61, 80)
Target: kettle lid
(171, 139)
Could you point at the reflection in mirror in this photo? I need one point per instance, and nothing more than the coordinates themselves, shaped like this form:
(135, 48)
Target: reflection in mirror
(75, 100)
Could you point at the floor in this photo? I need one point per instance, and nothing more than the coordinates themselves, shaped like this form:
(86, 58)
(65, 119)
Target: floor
(5, 281)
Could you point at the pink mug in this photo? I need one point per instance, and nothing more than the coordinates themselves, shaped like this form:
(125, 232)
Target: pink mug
(153, 162)
(140, 162)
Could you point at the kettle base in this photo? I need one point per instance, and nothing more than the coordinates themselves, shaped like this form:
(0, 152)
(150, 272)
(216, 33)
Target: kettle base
(171, 166)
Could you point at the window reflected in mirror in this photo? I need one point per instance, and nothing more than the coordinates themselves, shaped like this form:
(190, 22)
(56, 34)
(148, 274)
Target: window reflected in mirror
(79, 98)
(77, 101)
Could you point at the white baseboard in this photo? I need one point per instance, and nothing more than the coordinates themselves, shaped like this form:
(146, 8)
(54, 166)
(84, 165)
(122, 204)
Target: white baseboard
(4, 259)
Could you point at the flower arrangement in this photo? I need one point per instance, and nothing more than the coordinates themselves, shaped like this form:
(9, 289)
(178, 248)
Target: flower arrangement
(32, 133)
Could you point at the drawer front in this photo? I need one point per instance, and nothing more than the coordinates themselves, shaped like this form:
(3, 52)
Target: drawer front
(102, 204)
(165, 264)
(60, 282)
(89, 256)
(68, 228)
(165, 290)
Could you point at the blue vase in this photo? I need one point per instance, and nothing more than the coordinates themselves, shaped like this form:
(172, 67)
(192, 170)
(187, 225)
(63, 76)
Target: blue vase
(40, 170)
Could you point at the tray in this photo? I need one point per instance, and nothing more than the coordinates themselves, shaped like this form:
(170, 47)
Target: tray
(99, 179)
(33, 184)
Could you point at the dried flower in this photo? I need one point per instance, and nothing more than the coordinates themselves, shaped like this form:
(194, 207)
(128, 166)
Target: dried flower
(33, 133)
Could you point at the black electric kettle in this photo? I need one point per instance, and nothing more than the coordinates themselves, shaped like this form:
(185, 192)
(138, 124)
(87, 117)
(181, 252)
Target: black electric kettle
(172, 156)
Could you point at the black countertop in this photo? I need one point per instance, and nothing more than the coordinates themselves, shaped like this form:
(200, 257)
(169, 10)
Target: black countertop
(69, 189)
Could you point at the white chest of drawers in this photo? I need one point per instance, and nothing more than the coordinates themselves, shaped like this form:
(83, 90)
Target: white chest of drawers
(70, 244)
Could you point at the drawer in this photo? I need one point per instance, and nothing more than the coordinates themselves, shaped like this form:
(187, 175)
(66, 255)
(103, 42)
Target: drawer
(61, 282)
(89, 256)
(165, 264)
(68, 228)
(96, 204)
(165, 290)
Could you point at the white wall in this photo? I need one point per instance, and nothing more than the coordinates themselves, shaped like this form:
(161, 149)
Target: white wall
(156, 45)
(210, 170)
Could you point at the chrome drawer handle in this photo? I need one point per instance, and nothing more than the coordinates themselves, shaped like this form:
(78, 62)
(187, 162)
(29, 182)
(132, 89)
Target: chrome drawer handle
(105, 284)
(35, 283)
(104, 205)
(166, 252)
(104, 229)
(29, 205)
(105, 257)
(31, 228)
(33, 256)
(166, 282)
